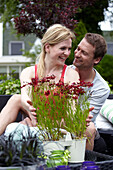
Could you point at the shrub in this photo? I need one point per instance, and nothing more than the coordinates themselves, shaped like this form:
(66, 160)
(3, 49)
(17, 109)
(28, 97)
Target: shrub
(10, 87)
(80, 31)
(105, 68)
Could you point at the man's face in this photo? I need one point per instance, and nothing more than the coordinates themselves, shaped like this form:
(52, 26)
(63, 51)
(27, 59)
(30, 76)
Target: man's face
(84, 55)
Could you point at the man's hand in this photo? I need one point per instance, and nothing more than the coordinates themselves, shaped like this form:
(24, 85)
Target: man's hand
(88, 120)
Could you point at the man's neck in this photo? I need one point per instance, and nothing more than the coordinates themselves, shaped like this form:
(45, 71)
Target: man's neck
(86, 75)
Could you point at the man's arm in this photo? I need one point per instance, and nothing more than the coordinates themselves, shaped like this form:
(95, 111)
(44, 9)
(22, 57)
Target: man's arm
(97, 100)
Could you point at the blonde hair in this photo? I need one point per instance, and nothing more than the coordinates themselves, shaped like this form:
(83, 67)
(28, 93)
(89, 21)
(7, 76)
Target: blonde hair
(54, 35)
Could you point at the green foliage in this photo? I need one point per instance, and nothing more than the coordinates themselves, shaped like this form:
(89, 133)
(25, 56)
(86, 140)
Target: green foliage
(9, 8)
(105, 68)
(92, 15)
(58, 157)
(80, 31)
(24, 152)
(10, 87)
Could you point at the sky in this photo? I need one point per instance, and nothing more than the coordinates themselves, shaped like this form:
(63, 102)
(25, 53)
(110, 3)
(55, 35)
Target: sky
(105, 26)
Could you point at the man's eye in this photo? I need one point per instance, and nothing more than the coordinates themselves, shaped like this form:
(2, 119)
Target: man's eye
(78, 48)
(84, 52)
(62, 48)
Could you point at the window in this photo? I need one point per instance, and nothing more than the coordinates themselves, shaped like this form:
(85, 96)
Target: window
(16, 47)
(11, 71)
(3, 71)
(14, 72)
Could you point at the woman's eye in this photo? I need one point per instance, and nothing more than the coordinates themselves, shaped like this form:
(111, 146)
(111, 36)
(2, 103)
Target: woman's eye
(64, 48)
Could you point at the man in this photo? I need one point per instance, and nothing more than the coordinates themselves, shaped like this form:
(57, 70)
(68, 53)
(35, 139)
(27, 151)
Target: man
(89, 52)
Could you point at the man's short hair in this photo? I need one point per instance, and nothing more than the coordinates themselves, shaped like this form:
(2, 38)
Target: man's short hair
(97, 41)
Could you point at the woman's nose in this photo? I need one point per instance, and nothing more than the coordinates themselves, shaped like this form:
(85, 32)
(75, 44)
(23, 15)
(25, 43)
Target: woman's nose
(67, 52)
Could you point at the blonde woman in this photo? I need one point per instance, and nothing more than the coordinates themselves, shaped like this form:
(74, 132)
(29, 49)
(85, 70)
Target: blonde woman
(56, 47)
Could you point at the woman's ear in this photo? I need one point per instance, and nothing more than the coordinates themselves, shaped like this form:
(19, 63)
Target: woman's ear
(47, 47)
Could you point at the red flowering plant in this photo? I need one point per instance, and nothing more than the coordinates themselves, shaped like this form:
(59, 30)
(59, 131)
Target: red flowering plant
(60, 106)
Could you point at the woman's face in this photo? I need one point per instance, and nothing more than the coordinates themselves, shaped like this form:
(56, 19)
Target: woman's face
(59, 53)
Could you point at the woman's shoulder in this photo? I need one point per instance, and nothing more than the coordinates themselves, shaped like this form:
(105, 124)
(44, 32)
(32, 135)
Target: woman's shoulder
(71, 71)
(28, 72)
(72, 75)
(28, 69)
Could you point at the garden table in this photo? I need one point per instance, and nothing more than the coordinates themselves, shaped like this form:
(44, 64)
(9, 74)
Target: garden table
(105, 162)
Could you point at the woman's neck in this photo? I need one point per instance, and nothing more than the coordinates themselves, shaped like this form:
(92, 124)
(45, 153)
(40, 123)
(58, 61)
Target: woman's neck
(55, 70)
(49, 70)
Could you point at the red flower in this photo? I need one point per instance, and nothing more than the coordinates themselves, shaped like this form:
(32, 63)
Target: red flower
(75, 97)
(47, 93)
(34, 81)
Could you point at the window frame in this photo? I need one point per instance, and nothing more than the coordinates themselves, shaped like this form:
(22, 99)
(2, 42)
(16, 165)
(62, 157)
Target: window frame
(14, 42)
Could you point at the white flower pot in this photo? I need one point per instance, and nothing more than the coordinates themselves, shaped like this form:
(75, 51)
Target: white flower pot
(75, 146)
(77, 150)
(51, 146)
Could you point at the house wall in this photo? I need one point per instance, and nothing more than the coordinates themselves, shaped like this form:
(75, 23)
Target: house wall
(15, 62)
(108, 35)
(1, 39)
(10, 35)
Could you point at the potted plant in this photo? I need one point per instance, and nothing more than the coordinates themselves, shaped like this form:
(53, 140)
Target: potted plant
(24, 153)
(60, 106)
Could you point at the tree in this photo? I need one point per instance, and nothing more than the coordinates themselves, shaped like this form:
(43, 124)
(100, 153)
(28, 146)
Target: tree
(9, 9)
(80, 32)
(35, 16)
(92, 15)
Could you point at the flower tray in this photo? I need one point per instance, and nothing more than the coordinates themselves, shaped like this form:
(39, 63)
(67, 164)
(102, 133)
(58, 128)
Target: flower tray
(105, 162)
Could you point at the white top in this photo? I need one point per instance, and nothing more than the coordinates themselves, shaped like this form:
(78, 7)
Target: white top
(100, 92)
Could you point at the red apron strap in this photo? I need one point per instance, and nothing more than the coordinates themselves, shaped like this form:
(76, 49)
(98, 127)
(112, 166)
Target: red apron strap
(63, 72)
(36, 75)
(62, 75)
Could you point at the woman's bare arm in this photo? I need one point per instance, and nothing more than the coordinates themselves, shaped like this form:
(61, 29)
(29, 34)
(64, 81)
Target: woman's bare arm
(25, 78)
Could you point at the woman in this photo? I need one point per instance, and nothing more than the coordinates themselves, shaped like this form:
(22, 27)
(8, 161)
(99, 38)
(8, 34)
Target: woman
(56, 47)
